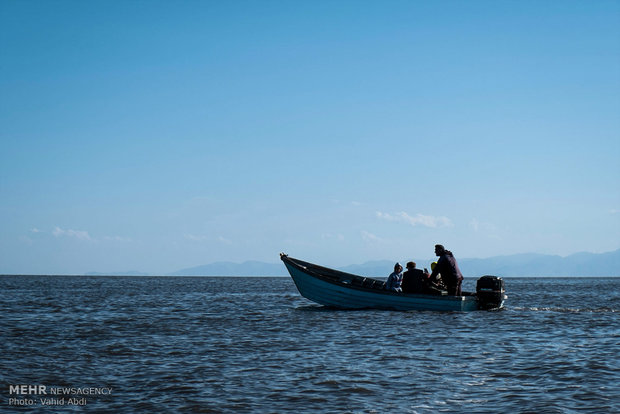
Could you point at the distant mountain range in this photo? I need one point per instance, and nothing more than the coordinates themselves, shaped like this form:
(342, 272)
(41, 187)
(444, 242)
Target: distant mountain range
(529, 264)
(128, 273)
(249, 268)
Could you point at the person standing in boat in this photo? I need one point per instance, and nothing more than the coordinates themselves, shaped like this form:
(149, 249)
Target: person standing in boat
(395, 279)
(449, 270)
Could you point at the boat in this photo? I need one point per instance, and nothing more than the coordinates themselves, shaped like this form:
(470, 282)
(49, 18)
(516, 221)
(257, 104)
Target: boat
(336, 289)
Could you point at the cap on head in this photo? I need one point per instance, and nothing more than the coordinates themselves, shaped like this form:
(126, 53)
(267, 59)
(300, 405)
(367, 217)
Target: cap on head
(433, 265)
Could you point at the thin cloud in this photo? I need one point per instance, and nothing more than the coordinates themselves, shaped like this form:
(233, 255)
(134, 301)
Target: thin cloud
(195, 238)
(329, 236)
(203, 239)
(475, 224)
(371, 238)
(76, 234)
(417, 220)
(117, 239)
(224, 240)
(483, 226)
(25, 239)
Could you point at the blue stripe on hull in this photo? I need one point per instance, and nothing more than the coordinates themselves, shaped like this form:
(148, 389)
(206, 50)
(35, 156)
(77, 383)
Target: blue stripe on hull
(349, 297)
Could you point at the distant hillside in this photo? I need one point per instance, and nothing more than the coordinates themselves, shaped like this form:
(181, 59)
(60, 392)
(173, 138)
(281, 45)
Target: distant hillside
(531, 264)
(579, 264)
(128, 273)
(249, 268)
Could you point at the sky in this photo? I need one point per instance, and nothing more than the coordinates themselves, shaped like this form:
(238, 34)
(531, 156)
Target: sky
(154, 136)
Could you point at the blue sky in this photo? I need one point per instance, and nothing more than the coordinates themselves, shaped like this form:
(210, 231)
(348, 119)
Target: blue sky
(155, 136)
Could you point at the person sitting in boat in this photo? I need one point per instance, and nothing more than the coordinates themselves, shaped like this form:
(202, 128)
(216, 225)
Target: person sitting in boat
(435, 284)
(414, 280)
(449, 270)
(435, 279)
(395, 279)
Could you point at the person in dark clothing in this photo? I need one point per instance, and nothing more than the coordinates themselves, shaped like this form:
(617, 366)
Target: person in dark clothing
(414, 280)
(449, 270)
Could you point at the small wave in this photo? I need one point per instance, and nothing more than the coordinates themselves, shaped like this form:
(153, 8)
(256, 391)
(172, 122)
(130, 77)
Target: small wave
(314, 308)
(357, 390)
(564, 310)
(331, 383)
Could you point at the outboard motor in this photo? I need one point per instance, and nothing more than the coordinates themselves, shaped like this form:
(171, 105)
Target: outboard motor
(490, 291)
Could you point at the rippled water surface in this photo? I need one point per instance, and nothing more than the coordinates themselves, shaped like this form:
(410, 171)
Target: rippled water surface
(253, 345)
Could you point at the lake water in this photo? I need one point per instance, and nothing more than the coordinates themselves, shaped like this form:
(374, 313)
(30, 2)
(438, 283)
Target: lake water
(254, 345)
